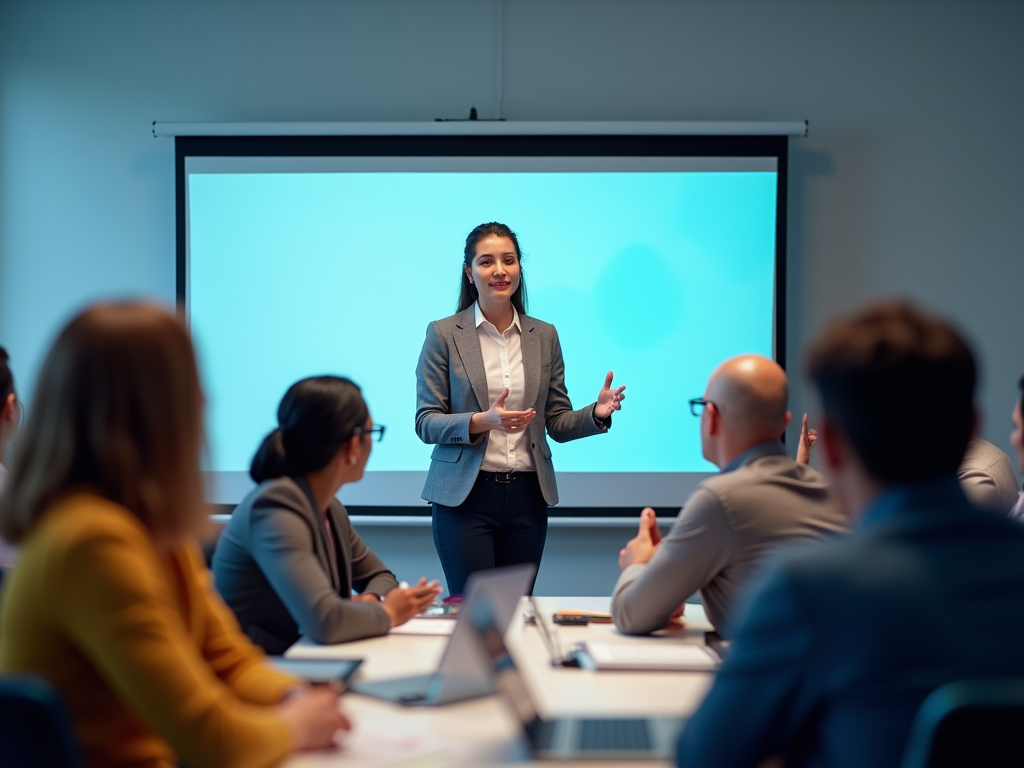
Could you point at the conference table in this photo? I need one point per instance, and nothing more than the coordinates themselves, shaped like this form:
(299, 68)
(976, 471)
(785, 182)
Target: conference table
(484, 731)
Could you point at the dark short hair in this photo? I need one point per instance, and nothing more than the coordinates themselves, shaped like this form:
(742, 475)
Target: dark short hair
(467, 291)
(899, 383)
(1021, 401)
(117, 409)
(315, 419)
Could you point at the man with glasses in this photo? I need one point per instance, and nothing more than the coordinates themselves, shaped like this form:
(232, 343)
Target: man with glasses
(761, 499)
(839, 644)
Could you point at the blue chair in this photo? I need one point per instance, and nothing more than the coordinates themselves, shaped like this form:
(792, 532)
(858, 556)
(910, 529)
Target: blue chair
(35, 729)
(969, 724)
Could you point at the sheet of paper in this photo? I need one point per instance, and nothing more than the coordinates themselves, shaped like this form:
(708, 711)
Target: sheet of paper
(416, 626)
(303, 650)
(377, 748)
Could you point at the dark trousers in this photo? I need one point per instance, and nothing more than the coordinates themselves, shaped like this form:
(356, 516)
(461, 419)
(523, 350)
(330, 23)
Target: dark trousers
(498, 524)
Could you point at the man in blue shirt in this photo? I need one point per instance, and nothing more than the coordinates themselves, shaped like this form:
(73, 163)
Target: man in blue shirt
(842, 640)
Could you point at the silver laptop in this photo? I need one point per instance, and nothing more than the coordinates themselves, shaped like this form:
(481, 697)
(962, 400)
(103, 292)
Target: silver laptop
(560, 657)
(464, 672)
(568, 738)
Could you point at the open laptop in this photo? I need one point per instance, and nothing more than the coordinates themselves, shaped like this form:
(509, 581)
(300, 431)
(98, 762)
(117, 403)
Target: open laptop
(464, 672)
(567, 738)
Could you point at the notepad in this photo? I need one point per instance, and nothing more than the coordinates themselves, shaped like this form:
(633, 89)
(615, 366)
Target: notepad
(653, 656)
(416, 626)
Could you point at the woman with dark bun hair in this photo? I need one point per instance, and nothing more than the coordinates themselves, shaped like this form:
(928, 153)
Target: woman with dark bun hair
(483, 376)
(288, 559)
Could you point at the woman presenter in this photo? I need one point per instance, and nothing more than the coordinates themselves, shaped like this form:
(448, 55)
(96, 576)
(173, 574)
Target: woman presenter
(483, 377)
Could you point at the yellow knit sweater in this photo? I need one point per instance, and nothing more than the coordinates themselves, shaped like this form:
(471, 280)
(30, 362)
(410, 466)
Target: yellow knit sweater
(148, 659)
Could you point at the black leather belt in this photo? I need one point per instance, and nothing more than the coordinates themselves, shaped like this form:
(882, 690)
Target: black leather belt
(506, 477)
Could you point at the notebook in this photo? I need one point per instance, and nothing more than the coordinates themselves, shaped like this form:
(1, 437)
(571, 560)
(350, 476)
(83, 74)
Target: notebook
(651, 655)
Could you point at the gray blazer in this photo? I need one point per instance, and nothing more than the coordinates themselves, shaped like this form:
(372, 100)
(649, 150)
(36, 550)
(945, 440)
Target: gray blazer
(272, 566)
(451, 385)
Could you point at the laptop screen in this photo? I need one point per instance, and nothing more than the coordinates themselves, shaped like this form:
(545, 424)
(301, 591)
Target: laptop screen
(507, 679)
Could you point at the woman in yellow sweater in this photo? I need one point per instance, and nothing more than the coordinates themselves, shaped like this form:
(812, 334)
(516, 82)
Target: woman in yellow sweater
(111, 601)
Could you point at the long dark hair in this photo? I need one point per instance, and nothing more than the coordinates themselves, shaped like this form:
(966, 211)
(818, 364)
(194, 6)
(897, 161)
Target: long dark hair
(6, 379)
(315, 419)
(118, 410)
(467, 291)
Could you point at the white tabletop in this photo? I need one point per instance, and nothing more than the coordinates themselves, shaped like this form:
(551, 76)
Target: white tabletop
(484, 731)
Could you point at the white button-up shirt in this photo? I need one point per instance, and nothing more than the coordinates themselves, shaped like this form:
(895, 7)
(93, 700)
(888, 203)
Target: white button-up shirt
(503, 364)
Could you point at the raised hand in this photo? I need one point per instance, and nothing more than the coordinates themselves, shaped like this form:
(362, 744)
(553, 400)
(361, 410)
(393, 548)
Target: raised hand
(402, 603)
(641, 547)
(808, 437)
(609, 399)
(496, 417)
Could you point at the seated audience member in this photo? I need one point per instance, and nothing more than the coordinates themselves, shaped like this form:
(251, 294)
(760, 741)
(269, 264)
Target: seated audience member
(289, 558)
(10, 412)
(986, 476)
(110, 601)
(761, 499)
(839, 643)
(985, 473)
(1017, 440)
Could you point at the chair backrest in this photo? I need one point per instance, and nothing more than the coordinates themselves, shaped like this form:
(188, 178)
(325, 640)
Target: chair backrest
(35, 729)
(967, 724)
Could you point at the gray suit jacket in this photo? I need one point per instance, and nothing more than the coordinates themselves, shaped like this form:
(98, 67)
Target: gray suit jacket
(272, 567)
(451, 385)
(722, 535)
(987, 478)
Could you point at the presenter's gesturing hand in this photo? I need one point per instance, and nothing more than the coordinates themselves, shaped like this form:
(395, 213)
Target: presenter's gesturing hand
(608, 399)
(496, 417)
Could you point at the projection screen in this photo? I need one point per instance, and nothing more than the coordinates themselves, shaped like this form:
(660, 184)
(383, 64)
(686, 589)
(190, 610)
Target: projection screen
(655, 257)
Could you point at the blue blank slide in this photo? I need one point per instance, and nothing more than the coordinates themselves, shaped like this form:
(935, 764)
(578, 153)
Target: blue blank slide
(658, 276)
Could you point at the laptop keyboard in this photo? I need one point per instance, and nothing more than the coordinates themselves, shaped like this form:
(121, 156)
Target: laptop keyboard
(614, 735)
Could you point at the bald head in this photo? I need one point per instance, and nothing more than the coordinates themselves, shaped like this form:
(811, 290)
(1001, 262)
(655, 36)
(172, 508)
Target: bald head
(751, 393)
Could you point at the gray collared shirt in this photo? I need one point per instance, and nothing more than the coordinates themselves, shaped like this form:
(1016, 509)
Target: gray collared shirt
(731, 521)
(987, 478)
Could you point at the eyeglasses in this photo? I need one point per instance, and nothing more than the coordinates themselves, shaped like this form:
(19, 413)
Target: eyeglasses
(379, 430)
(697, 405)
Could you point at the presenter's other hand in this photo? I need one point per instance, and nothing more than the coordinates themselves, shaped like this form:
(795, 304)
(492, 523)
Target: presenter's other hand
(402, 603)
(496, 417)
(640, 548)
(808, 437)
(313, 718)
(608, 399)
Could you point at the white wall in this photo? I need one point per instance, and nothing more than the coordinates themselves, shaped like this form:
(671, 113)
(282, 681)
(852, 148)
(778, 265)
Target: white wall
(911, 182)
